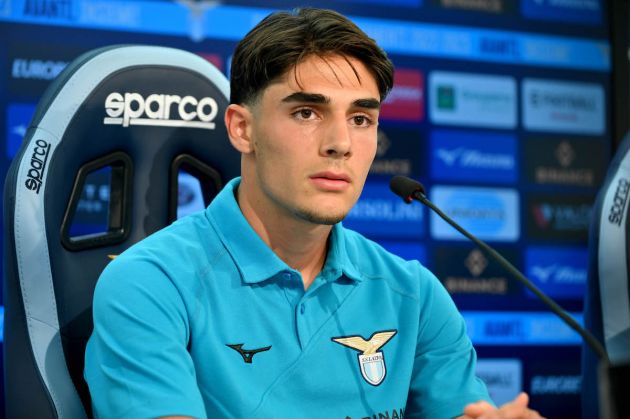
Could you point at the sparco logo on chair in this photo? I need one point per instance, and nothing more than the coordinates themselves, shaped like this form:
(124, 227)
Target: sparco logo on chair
(619, 202)
(160, 110)
(39, 158)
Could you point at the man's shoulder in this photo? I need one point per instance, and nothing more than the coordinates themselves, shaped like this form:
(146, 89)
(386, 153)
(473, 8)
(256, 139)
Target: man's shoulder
(375, 262)
(186, 244)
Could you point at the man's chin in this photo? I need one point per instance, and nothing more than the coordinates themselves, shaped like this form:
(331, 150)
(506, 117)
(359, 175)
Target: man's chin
(318, 217)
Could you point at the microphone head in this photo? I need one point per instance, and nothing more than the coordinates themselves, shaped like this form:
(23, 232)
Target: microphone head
(406, 188)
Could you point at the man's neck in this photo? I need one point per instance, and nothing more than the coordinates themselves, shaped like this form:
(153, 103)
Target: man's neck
(300, 244)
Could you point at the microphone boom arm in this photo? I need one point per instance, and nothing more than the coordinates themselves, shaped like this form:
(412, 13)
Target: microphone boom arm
(596, 346)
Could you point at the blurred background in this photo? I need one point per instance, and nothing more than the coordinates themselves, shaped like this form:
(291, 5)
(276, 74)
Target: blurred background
(507, 110)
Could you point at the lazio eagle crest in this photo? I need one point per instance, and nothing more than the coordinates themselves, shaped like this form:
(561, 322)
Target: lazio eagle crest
(371, 361)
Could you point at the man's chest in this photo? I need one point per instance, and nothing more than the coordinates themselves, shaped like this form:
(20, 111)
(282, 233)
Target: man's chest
(345, 351)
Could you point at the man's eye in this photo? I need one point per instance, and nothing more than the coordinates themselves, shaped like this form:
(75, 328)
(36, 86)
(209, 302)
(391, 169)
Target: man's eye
(360, 120)
(305, 113)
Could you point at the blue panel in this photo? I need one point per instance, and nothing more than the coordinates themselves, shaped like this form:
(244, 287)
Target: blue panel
(519, 328)
(559, 272)
(488, 213)
(407, 3)
(473, 156)
(399, 37)
(380, 213)
(466, 43)
(578, 11)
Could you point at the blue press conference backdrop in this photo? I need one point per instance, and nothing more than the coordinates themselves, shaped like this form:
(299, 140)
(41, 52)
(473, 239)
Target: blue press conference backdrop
(499, 107)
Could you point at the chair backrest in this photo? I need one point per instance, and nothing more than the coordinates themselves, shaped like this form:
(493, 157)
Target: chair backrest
(607, 302)
(138, 115)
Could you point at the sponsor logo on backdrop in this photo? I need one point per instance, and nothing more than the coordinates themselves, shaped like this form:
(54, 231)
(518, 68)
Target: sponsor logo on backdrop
(558, 272)
(489, 6)
(559, 217)
(383, 144)
(37, 168)
(406, 100)
(463, 156)
(398, 153)
(504, 329)
(554, 382)
(556, 385)
(496, 47)
(381, 214)
(519, 328)
(503, 377)
(476, 262)
(472, 99)
(489, 213)
(578, 11)
(33, 68)
(558, 106)
(57, 9)
(572, 162)
(19, 116)
(468, 271)
(620, 202)
(160, 110)
(116, 13)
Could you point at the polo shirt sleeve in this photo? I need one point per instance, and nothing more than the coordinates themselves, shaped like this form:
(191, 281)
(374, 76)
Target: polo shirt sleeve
(443, 381)
(137, 364)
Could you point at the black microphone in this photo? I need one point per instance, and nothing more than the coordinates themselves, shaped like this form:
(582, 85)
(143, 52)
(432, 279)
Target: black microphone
(409, 190)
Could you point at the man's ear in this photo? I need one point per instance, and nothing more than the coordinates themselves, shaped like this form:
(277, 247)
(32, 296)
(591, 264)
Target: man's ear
(238, 122)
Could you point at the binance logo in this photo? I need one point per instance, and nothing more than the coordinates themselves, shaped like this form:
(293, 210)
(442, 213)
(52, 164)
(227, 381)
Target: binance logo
(382, 143)
(476, 262)
(565, 154)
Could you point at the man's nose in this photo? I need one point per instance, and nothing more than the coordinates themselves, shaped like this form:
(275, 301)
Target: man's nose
(337, 141)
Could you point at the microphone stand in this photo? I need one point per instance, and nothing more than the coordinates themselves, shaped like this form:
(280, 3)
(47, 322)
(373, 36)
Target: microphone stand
(613, 379)
(595, 345)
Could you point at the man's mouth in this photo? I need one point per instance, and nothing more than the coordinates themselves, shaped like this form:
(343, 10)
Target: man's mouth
(331, 181)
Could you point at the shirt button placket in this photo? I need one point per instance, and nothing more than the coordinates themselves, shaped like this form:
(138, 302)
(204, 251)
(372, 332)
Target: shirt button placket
(302, 324)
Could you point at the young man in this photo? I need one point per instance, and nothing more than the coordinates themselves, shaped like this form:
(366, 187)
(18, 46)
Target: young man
(263, 305)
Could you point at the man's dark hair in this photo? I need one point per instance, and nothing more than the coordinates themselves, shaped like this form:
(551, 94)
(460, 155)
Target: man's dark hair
(283, 39)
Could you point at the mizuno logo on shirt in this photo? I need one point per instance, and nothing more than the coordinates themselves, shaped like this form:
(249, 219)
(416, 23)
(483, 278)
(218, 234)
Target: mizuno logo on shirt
(371, 360)
(247, 354)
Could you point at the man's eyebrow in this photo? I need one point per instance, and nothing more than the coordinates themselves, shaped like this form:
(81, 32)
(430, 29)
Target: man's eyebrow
(306, 97)
(367, 103)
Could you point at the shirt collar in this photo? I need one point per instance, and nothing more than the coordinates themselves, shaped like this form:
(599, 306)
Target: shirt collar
(337, 260)
(253, 257)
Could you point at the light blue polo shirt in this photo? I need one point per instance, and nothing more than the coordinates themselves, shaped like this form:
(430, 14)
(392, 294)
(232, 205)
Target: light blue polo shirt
(203, 319)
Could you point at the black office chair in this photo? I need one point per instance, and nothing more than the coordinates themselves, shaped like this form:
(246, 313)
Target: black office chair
(139, 116)
(607, 302)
